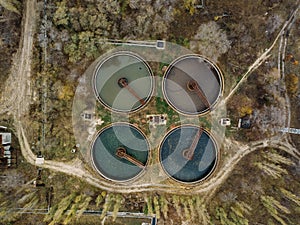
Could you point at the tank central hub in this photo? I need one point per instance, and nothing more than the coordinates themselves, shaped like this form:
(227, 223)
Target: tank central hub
(193, 86)
(123, 83)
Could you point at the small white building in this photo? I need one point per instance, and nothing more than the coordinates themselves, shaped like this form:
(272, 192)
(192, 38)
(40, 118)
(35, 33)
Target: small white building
(225, 122)
(160, 119)
(87, 116)
(6, 138)
(160, 44)
(6, 144)
(39, 160)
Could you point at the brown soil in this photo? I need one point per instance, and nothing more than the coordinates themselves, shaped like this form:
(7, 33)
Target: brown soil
(10, 31)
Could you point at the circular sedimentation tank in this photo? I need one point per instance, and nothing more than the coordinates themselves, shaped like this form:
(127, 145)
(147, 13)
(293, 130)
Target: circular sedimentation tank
(192, 85)
(188, 154)
(120, 152)
(123, 82)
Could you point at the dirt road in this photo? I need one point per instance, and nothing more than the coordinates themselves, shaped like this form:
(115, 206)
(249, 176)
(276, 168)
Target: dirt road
(17, 89)
(17, 92)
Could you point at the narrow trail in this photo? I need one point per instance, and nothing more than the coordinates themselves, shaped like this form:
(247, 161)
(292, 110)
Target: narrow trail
(17, 103)
(281, 62)
(263, 56)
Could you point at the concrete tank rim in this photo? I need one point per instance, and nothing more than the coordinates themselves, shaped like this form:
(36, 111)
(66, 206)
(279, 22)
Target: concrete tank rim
(98, 133)
(217, 157)
(105, 59)
(220, 76)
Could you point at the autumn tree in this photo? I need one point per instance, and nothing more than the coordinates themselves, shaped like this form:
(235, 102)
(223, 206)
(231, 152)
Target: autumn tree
(292, 83)
(272, 206)
(176, 204)
(66, 92)
(57, 212)
(72, 212)
(157, 207)
(107, 205)
(118, 202)
(149, 202)
(11, 5)
(100, 198)
(61, 14)
(190, 5)
(272, 164)
(292, 197)
(164, 206)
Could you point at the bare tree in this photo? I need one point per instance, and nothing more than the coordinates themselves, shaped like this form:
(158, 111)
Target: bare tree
(210, 40)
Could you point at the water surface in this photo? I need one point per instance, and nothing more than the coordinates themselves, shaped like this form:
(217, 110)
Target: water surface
(106, 144)
(180, 168)
(118, 66)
